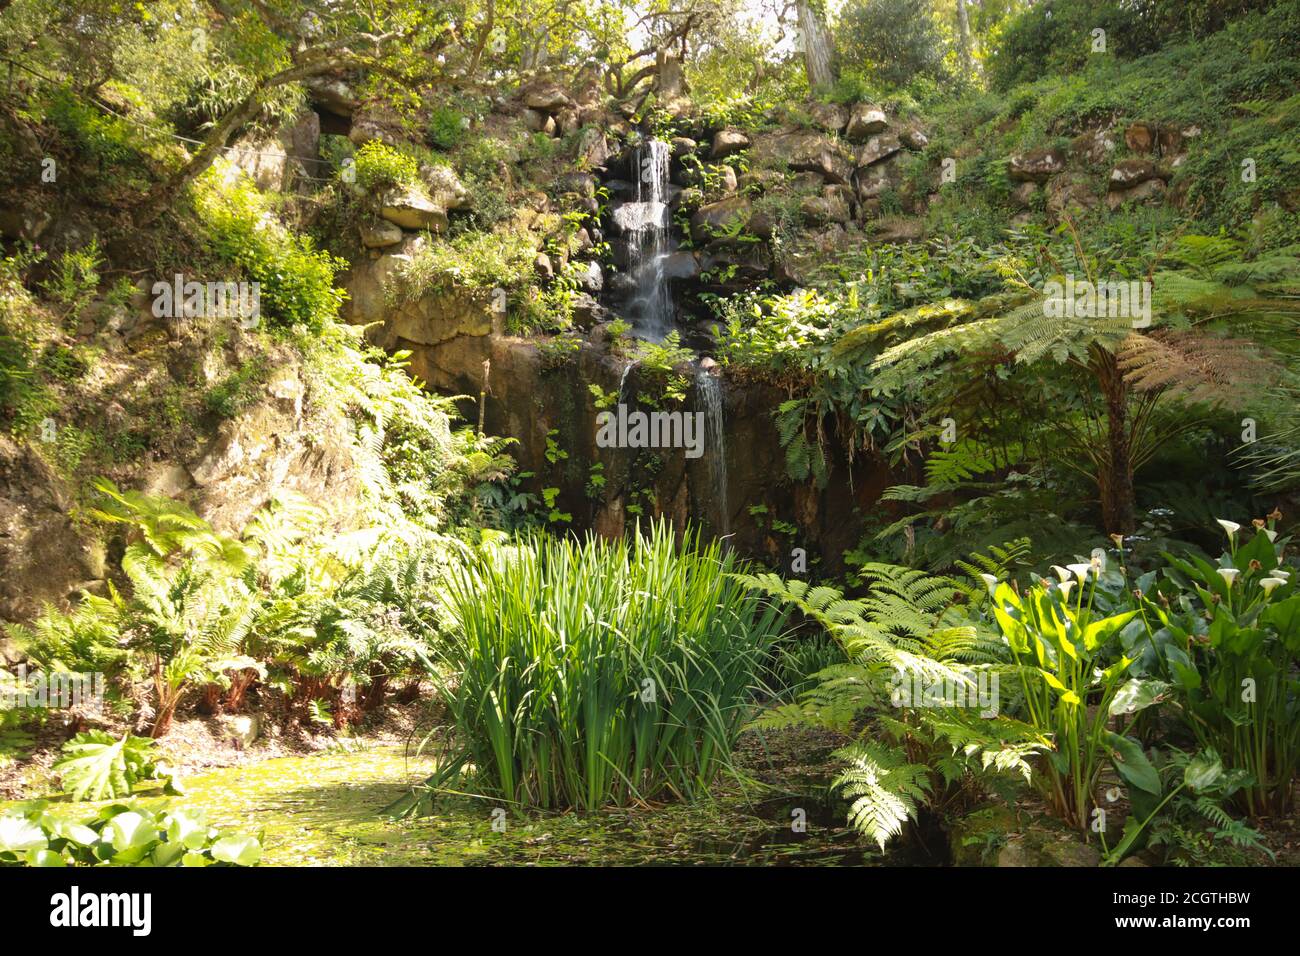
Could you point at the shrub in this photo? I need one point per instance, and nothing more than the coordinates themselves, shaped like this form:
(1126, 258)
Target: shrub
(296, 279)
(580, 674)
(446, 129)
(380, 166)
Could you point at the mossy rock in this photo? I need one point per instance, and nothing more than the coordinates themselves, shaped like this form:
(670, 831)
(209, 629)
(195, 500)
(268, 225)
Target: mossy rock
(974, 838)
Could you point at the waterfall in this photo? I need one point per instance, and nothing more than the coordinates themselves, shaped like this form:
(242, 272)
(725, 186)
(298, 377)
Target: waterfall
(622, 382)
(649, 242)
(709, 392)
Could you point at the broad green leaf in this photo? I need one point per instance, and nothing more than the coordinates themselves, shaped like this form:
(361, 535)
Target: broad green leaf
(240, 850)
(187, 828)
(1137, 695)
(131, 830)
(1098, 633)
(18, 834)
(45, 858)
(1133, 764)
(95, 766)
(1203, 770)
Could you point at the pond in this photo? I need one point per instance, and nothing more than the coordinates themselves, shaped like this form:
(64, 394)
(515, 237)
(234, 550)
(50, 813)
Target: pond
(324, 810)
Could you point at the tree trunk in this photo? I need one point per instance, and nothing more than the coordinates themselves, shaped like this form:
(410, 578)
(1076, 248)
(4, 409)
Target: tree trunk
(817, 56)
(1115, 478)
(963, 39)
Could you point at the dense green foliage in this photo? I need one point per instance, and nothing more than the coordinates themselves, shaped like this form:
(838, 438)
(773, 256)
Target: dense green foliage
(580, 674)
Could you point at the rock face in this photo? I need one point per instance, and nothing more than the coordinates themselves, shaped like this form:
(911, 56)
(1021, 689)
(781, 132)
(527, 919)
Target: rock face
(806, 152)
(42, 557)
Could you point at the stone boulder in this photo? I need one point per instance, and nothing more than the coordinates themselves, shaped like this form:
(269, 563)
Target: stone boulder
(1022, 195)
(830, 117)
(332, 95)
(865, 120)
(548, 98)
(1038, 165)
(759, 180)
(913, 137)
(409, 208)
(1141, 137)
(579, 184)
(593, 148)
(376, 123)
(539, 122)
(833, 205)
(1093, 146)
(715, 217)
(380, 235)
(1131, 172)
(1070, 193)
(444, 186)
(877, 148)
(589, 277)
(1147, 191)
(897, 230)
(728, 142)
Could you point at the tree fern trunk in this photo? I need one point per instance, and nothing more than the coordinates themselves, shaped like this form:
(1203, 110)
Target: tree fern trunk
(1115, 479)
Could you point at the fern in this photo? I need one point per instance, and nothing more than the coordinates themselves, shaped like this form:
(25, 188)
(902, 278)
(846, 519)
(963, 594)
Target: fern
(960, 461)
(883, 787)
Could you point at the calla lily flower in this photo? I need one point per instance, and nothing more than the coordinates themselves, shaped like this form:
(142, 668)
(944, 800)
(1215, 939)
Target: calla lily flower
(1268, 584)
(1231, 527)
(1229, 574)
(1080, 571)
(1272, 535)
(991, 581)
(1066, 588)
(1281, 573)
(1062, 573)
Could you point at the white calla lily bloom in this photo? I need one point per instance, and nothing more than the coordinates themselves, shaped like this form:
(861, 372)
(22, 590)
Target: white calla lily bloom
(1229, 574)
(991, 581)
(1080, 571)
(1268, 584)
(1062, 573)
(1066, 588)
(1231, 527)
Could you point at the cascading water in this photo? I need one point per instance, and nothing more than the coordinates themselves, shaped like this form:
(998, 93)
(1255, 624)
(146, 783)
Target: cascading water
(622, 382)
(708, 388)
(646, 224)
